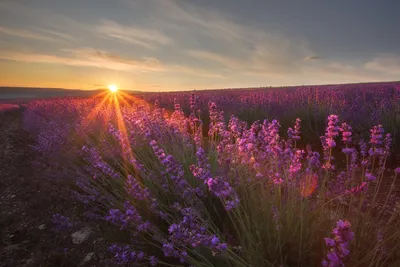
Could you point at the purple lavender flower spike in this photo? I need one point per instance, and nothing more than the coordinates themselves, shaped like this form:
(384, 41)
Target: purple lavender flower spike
(153, 261)
(61, 223)
(346, 133)
(338, 246)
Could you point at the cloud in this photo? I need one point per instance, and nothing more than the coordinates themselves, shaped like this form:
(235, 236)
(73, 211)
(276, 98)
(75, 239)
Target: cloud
(89, 57)
(104, 59)
(261, 63)
(194, 71)
(313, 58)
(219, 39)
(206, 21)
(148, 38)
(389, 64)
(223, 60)
(59, 35)
(48, 25)
(86, 57)
(26, 34)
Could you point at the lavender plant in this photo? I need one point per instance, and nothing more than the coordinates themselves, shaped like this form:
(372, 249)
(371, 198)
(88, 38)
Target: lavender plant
(248, 196)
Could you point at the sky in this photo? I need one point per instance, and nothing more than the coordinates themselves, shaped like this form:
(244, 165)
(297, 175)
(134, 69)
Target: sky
(170, 45)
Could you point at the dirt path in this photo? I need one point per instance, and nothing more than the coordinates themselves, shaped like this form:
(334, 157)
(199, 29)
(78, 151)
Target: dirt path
(27, 204)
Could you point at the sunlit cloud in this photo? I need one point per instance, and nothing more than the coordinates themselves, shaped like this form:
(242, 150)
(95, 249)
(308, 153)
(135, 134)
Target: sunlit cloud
(58, 35)
(104, 59)
(99, 60)
(89, 57)
(26, 34)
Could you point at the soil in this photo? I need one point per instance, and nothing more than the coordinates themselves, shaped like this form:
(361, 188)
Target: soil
(27, 203)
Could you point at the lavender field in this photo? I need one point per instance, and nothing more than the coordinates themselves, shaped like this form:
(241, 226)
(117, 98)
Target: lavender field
(305, 176)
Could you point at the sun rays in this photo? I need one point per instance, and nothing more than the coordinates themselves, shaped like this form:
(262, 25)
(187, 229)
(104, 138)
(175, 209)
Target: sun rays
(109, 109)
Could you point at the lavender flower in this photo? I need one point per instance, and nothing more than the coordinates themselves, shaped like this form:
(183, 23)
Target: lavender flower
(357, 189)
(363, 148)
(153, 261)
(126, 255)
(376, 141)
(130, 217)
(295, 165)
(377, 135)
(135, 189)
(190, 232)
(347, 151)
(338, 246)
(388, 143)
(370, 177)
(223, 190)
(312, 160)
(217, 124)
(297, 127)
(174, 170)
(332, 131)
(61, 223)
(346, 133)
(220, 188)
(202, 170)
(295, 133)
(192, 101)
(328, 141)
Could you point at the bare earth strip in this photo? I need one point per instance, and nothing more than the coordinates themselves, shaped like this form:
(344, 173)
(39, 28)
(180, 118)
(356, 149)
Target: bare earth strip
(27, 204)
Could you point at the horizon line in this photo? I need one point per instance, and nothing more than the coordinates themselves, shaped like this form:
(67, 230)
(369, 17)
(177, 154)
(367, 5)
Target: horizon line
(203, 89)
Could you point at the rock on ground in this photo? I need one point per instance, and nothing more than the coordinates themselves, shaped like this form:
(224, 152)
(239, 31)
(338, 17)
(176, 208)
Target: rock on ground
(81, 235)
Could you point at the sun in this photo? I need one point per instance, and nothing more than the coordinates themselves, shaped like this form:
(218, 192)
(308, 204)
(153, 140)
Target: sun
(113, 88)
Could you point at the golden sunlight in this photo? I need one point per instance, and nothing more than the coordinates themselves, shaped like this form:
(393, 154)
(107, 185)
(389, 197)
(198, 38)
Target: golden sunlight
(113, 88)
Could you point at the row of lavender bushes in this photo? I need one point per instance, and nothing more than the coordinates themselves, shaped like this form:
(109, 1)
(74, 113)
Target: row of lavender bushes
(361, 105)
(245, 196)
(8, 107)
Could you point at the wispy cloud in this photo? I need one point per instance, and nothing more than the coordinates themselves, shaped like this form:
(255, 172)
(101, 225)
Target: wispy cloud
(313, 58)
(234, 46)
(385, 63)
(58, 35)
(194, 71)
(26, 34)
(252, 51)
(218, 58)
(89, 57)
(44, 23)
(104, 59)
(206, 21)
(86, 57)
(148, 38)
